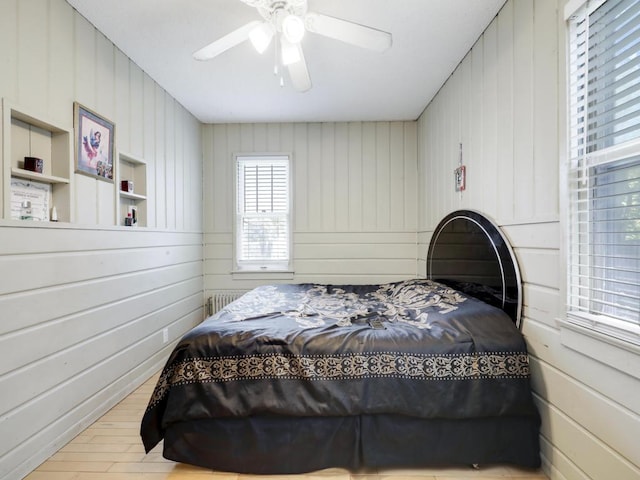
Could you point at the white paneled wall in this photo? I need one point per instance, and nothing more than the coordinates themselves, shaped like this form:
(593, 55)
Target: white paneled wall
(505, 105)
(83, 320)
(354, 199)
(89, 310)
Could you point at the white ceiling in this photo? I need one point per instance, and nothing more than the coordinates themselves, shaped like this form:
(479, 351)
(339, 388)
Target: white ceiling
(430, 38)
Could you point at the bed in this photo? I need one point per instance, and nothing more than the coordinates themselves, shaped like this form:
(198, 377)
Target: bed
(295, 378)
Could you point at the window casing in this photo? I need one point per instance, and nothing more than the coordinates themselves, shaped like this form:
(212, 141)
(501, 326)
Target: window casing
(262, 213)
(604, 172)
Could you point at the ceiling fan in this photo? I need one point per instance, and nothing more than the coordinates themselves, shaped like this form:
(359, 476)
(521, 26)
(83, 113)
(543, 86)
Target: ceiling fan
(287, 21)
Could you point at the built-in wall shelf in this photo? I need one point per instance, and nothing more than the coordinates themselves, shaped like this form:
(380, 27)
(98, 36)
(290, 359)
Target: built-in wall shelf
(38, 177)
(132, 196)
(132, 169)
(27, 133)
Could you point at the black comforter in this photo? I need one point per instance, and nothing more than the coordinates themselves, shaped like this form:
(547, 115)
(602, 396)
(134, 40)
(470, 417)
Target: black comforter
(311, 350)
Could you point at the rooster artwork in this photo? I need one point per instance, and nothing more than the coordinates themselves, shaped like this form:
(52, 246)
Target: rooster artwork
(94, 144)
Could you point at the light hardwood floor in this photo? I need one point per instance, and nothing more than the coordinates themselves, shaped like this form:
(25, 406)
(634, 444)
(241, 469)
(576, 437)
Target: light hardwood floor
(111, 449)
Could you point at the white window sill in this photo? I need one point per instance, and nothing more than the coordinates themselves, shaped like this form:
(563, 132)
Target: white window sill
(262, 275)
(620, 354)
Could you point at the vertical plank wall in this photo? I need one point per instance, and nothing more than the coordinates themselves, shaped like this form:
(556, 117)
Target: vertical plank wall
(88, 310)
(505, 104)
(354, 199)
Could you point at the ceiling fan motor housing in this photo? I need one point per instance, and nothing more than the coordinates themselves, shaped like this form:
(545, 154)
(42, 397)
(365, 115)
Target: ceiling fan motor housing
(275, 11)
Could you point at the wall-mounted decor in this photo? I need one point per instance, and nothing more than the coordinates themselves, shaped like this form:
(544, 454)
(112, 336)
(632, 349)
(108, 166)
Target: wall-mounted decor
(95, 136)
(460, 175)
(33, 196)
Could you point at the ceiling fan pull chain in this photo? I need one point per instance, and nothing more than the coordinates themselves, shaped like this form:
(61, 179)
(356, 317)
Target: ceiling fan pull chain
(277, 60)
(275, 55)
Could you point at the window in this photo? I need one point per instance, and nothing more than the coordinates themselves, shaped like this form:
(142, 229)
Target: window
(263, 225)
(604, 172)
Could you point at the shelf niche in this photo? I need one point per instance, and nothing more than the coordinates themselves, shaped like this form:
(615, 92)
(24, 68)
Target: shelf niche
(132, 169)
(26, 134)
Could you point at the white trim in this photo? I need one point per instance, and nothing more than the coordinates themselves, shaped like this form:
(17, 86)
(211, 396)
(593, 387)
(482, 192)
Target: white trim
(572, 7)
(619, 354)
(603, 325)
(262, 274)
(276, 266)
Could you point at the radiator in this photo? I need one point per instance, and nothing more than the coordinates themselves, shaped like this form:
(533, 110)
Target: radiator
(222, 298)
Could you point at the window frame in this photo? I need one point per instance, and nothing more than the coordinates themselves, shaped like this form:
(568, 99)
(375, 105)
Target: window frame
(277, 269)
(612, 331)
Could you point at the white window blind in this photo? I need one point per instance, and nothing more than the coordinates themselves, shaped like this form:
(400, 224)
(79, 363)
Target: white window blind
(604, 175)
(262, 213)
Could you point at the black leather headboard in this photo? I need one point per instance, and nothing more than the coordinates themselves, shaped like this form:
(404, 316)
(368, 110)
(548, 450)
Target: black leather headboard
(469, 253)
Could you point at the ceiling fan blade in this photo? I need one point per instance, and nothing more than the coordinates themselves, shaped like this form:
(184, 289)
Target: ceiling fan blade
(225, 43)
(348, 32)
(299, 74)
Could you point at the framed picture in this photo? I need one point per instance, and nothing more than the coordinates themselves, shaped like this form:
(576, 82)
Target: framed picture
(460, 175)
(95, 137)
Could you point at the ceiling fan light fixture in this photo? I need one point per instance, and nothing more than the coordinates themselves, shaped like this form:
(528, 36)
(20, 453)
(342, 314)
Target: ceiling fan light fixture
(287, 21)
(261, 36)
(293, 28)
(289, 52)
